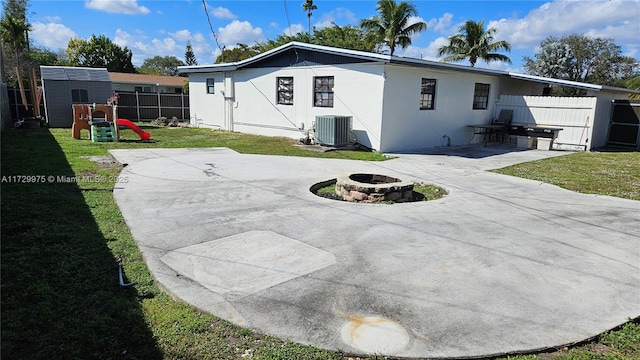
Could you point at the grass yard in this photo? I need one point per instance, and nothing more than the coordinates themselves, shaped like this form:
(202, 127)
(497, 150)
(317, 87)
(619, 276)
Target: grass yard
(604, 173)
(63, 242)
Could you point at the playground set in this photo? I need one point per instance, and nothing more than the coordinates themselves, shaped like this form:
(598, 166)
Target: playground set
(102, 129)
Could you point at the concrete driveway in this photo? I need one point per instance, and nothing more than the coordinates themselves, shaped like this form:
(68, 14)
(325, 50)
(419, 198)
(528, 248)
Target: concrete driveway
(500, 265)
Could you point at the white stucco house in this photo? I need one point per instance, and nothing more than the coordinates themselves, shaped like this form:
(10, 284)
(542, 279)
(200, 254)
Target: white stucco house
(395, 103)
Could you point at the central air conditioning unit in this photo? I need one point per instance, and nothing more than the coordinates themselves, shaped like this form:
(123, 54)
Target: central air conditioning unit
(333, 130)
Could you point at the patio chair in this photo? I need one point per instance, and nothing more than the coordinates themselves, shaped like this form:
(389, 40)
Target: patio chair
(504, 120)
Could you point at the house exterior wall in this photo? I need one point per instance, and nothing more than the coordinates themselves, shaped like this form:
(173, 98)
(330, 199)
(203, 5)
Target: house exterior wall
(58, 101)
(602, 120)
(251, 107)
(521, 87)
(207, 110)
(406, 127)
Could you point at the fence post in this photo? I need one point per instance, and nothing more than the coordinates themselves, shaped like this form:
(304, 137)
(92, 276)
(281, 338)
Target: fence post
(159, 107)
(182, 104)
(138, 106)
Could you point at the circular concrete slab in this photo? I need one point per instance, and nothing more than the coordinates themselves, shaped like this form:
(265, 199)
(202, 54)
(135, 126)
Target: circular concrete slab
(500, 265)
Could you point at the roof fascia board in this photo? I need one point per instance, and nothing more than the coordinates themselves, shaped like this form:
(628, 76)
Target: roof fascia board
(295, 45)
(546, 80)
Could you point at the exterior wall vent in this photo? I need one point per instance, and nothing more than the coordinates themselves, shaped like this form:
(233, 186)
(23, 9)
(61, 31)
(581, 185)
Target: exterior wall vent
(333, 130)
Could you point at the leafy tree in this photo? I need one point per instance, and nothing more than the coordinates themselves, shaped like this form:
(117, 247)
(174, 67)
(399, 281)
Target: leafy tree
(590, 60)
(633, 83)
(100, 51)
(553, 60)
(44, 56)
(14, 40)
(308, 6)
(161, 65)
(189, 56)
(13, 33)
(241, 52)
(474, 42)
(346, 37)
(16, 8)
(283, 39)
(391, 25)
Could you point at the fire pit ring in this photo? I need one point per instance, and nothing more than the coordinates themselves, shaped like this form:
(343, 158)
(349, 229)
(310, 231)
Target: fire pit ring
(373, 188)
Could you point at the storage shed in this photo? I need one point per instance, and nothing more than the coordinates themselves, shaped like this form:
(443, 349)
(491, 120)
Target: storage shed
(64, 86)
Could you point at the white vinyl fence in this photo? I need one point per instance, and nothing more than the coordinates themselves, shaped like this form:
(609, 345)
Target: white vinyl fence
(575, 115)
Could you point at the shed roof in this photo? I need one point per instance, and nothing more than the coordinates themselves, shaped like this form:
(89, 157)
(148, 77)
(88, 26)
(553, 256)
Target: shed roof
(74, 73)
(388, 59)
(127, 78)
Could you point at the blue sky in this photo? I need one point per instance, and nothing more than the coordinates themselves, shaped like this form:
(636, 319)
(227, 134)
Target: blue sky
(162, 27)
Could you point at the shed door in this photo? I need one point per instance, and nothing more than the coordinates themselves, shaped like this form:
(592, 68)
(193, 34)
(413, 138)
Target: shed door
(625, 124)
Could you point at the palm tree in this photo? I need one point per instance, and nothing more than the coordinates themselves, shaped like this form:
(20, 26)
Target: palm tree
(13, 33)
(308, 6)
(475, 43)
(391, 26)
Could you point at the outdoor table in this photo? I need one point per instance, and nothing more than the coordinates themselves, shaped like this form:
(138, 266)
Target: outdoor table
(485, 130)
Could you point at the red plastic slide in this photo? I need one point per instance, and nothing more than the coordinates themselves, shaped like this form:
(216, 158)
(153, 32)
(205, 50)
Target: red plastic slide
(143, 134)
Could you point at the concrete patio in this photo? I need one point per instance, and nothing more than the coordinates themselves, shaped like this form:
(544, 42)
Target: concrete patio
(500, 265)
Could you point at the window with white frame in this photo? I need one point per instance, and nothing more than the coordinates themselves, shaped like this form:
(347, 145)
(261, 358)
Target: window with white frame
(285, 90)
(427, 94)
(481, 96)
(211, 89)
(323, 91)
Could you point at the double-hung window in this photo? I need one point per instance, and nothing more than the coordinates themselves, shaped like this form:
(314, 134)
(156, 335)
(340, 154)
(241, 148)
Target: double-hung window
(481, 96)
(323, 91)
(285, 90)
(211, 89)
(428, 94)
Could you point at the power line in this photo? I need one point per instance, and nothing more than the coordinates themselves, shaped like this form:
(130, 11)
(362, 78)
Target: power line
(286, 13)
(215, 37)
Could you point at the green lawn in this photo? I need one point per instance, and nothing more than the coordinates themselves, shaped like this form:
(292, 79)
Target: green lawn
(605, 173)
(62, 244)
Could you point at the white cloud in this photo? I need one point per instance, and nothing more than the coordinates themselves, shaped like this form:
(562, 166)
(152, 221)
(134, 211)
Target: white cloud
(123, 38)
(427, 53)
(559, 18)
(441, 24)
(182, 35)
(223, 13)
(52, 34)
(294, 29)
(53, 19)
(128, 7)
(239, 32)
(339, 16)
(164, 47)
(172, 44)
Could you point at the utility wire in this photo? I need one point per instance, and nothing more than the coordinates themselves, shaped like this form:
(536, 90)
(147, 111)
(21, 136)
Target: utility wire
(286, 13)
(215, 37)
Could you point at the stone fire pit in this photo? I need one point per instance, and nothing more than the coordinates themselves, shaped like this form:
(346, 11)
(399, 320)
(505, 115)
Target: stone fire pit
(373, 188)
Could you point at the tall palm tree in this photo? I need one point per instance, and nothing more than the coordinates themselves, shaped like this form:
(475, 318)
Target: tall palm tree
(475, 43)
(308, 6)
(392, 24)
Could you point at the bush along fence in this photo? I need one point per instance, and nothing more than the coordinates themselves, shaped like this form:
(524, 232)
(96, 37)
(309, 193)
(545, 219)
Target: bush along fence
(141, 106)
